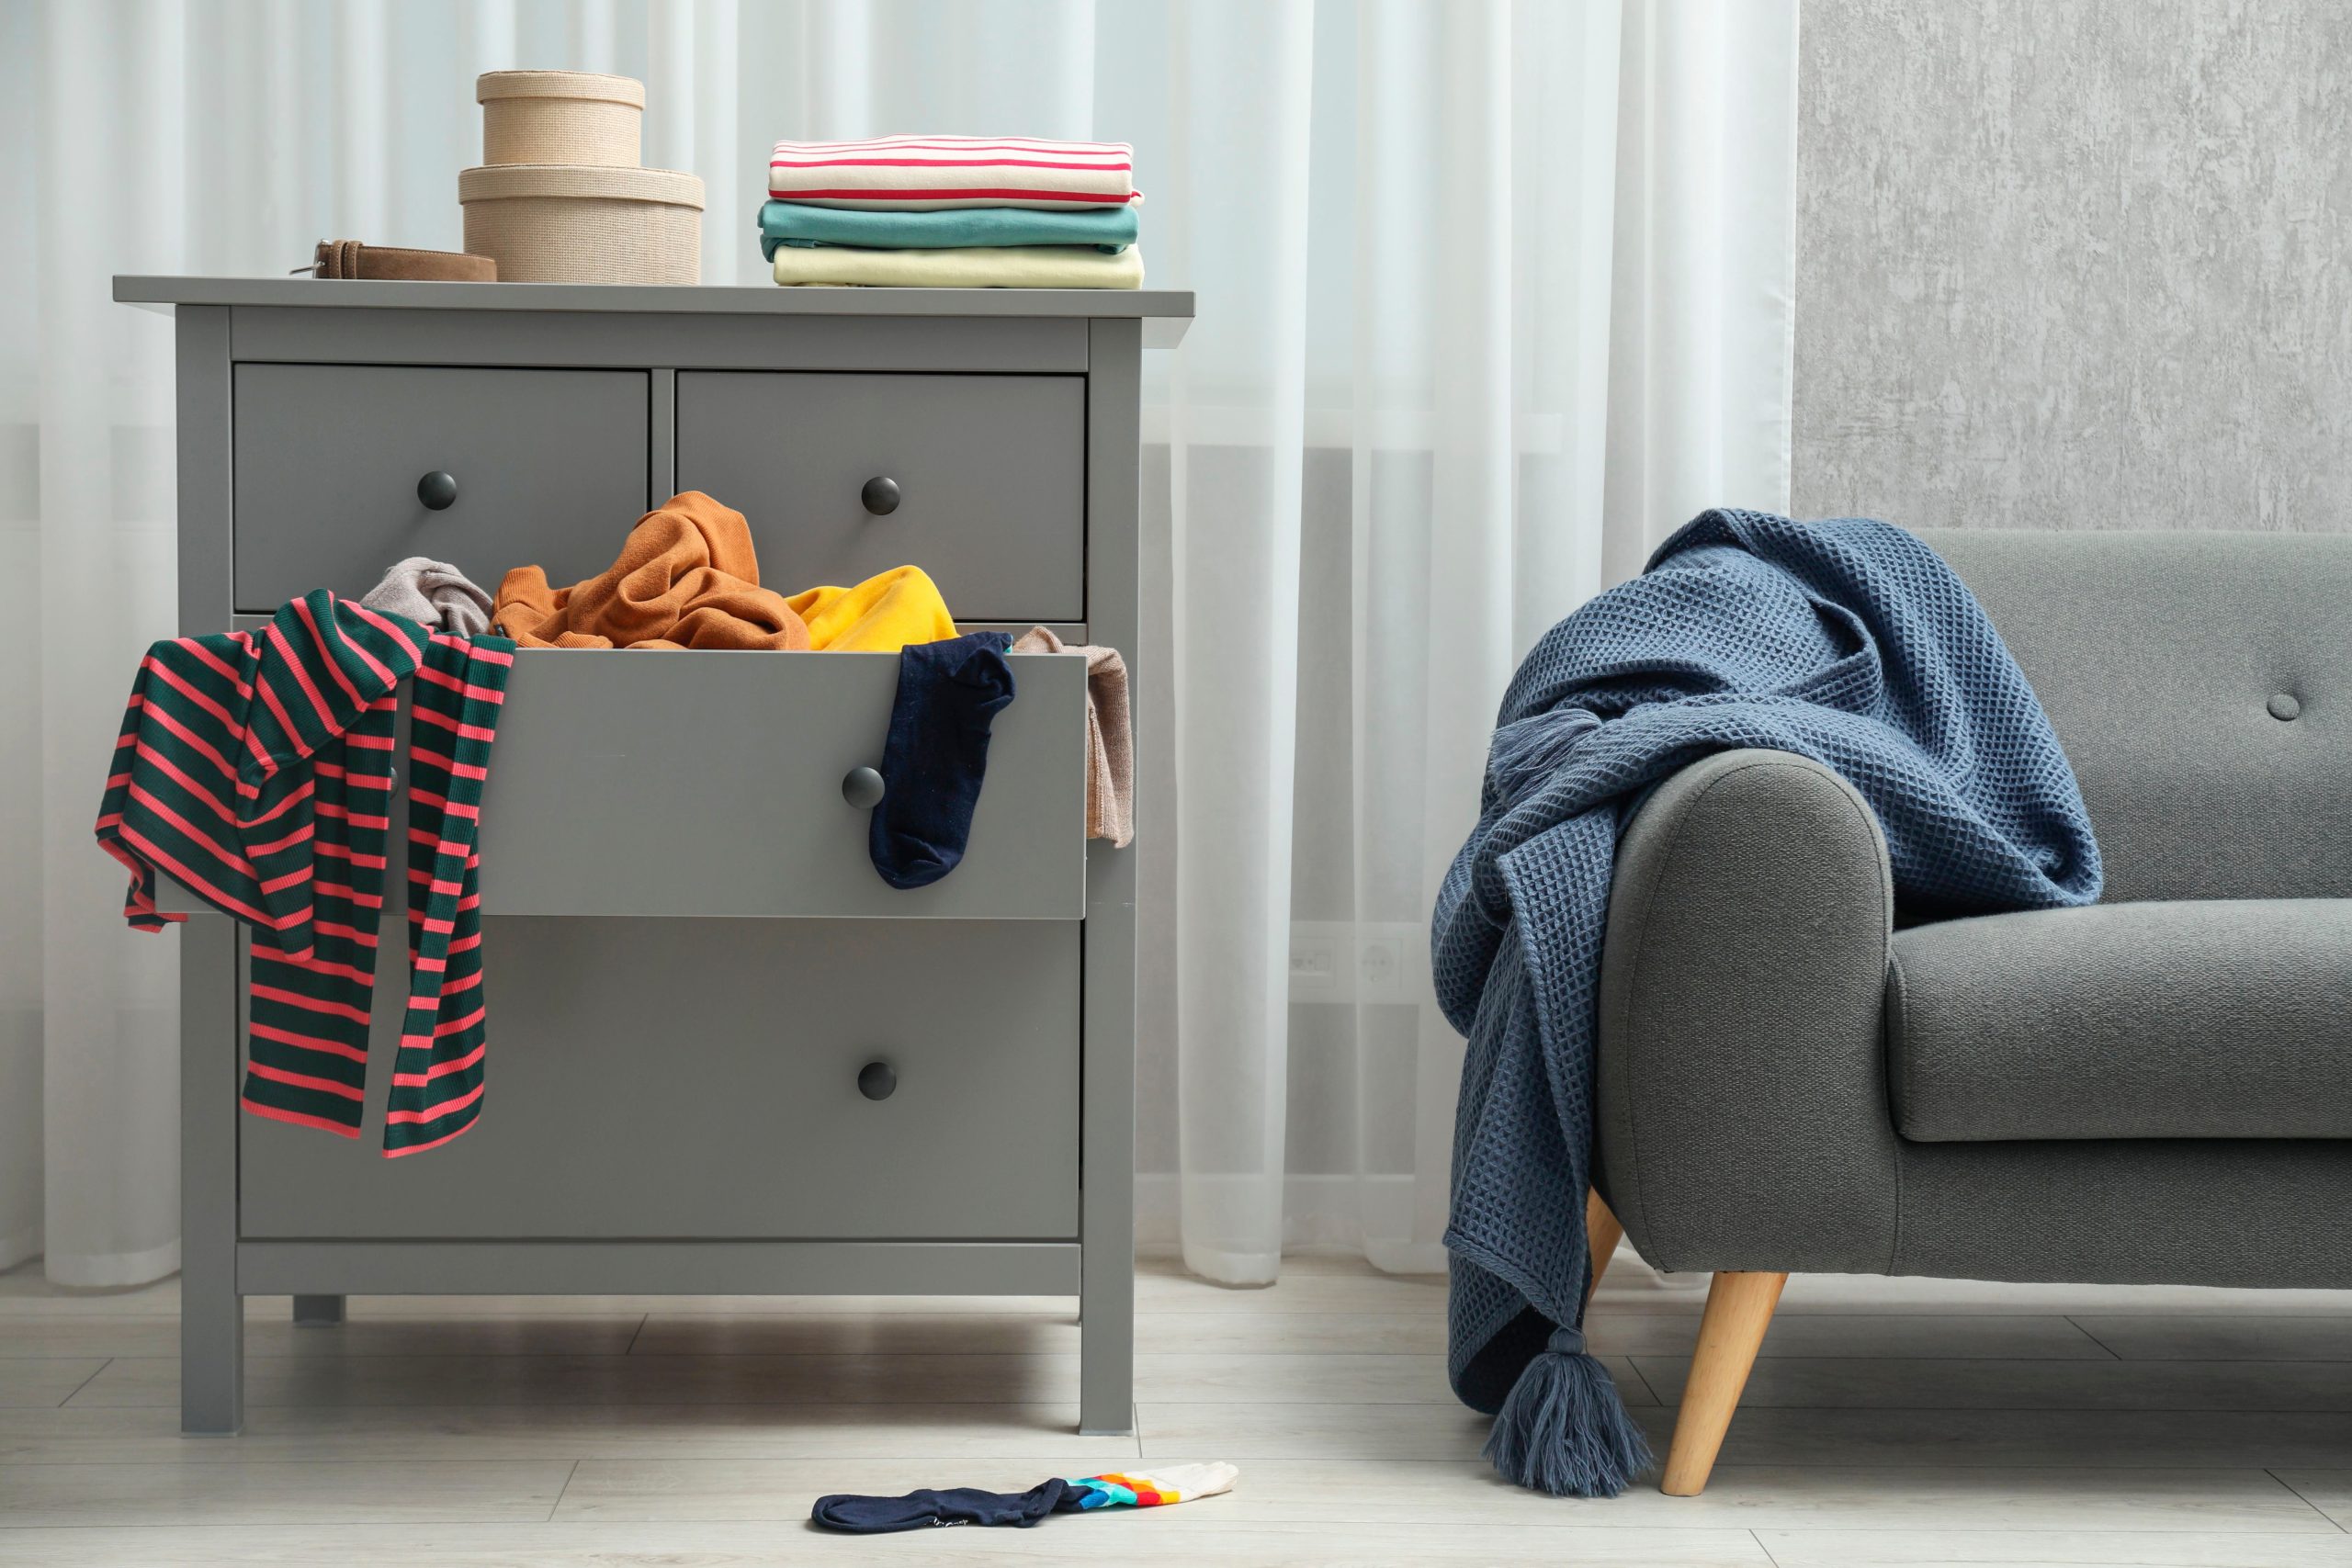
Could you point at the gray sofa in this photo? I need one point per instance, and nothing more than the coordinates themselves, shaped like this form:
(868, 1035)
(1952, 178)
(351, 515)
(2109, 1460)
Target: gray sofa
(1794, 1077)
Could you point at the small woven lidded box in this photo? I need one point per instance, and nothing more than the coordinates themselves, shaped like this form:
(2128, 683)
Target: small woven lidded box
(559, 197)
(584, 222)
(560, 116)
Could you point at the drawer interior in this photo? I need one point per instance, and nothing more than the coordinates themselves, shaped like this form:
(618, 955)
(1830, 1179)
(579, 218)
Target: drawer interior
(551, 468)
(700, 1079)
(985, 476)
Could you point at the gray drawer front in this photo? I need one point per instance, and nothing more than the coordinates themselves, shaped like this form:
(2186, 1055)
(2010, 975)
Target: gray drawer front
(698, 1078)
(551, 468)
(990, 469)
(680, 784)
(710, 783)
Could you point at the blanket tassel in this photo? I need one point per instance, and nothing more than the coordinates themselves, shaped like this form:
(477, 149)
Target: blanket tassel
(1564, 1428)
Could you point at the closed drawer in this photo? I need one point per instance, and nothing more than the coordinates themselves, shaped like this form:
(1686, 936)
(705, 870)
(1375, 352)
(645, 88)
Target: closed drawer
(699, 1079)
(551, 468)
(710, 783)
(990, 474)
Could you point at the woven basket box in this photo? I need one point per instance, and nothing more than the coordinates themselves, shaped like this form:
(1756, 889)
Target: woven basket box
(583, 224)
(559, 116)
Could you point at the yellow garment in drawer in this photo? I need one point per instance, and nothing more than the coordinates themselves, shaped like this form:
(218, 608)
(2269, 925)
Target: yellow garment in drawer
(881, 614)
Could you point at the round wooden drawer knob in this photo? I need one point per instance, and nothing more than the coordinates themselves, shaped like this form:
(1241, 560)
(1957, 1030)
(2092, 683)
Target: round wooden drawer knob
(438, 490)
(862, 787)
(877, 1081)
(880, 496)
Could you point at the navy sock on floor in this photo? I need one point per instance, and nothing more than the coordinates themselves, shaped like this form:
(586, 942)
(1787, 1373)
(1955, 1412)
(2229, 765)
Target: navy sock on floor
(954, 1506)
(937, 755)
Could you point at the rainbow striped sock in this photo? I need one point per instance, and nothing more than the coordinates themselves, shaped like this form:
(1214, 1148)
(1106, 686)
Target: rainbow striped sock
(1150, 1489)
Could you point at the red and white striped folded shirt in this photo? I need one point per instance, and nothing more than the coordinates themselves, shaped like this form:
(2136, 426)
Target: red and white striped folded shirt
(924, 174)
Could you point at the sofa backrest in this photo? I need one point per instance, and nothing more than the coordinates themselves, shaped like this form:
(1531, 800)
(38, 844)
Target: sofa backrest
(2201, 685)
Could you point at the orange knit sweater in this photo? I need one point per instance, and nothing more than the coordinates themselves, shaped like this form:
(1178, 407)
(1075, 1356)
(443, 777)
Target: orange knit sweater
(687, 577)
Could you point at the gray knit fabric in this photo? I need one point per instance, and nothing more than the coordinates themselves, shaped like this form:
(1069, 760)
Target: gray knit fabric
(433, 591)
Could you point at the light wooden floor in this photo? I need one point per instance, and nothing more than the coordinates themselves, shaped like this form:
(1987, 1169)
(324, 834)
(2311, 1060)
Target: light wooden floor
(1891, 1422)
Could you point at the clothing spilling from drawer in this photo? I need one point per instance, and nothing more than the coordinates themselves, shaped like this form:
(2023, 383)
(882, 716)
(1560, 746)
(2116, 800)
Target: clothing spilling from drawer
(1110, 746)
(257, 769)
(936, 755)
(433, 591)
(953, 212)
(688, 577)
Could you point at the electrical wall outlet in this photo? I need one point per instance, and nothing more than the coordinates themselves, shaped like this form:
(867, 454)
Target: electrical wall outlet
(1315, 972)
(1370, 963)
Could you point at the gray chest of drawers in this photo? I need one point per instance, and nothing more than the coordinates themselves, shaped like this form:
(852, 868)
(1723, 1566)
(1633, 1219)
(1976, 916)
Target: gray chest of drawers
(691, 964)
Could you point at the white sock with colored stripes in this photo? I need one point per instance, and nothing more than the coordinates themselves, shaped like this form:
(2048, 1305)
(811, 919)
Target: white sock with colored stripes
(1152, 1488)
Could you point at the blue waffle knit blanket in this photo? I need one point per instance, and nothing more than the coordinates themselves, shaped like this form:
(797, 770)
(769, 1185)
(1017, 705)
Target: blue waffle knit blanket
(1849, 642)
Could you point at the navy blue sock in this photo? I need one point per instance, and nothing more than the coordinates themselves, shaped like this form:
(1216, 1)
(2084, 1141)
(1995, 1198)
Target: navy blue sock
(937, 755)
(956, 1506)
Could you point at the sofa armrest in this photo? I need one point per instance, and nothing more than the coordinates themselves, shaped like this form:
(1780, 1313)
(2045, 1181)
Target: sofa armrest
(1743, 1119)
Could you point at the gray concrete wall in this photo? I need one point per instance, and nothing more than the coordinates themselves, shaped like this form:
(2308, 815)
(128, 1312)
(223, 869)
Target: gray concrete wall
(2075, 263)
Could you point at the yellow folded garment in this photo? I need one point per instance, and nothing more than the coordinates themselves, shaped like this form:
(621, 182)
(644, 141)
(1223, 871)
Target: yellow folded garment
(881, 614)
(979, 266)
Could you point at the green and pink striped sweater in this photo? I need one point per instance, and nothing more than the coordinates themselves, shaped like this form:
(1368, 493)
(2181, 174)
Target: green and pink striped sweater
(255, 768)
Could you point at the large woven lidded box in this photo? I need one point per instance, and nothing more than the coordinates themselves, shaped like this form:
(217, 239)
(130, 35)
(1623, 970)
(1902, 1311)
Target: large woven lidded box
(581, 223)
(559, 116)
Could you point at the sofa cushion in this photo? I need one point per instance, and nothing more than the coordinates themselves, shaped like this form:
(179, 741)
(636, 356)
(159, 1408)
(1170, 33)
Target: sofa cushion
(2206, 1019)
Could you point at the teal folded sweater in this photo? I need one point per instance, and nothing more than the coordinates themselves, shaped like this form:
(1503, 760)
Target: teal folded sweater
(797, 223)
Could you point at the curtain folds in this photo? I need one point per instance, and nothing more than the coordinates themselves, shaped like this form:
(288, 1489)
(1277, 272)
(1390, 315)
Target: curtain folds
(1493, 294)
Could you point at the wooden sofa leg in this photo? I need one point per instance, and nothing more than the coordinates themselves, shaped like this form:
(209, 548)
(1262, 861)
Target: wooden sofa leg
(1739, 1308)
(1603, 1233)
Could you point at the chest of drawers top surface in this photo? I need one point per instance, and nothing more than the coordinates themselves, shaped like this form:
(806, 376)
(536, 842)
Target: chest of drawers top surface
(1165, 313)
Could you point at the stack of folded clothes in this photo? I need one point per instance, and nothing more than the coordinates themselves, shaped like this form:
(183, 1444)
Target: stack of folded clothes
(953, 212)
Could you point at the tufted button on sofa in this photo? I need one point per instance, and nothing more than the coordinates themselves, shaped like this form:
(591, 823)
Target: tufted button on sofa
(1796, 1075)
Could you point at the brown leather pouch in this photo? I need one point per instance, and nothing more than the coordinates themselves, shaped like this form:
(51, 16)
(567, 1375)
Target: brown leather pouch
(349, 258)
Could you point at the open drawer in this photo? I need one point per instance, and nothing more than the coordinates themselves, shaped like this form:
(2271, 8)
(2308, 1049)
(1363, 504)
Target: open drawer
(710, 783)
(630, 783)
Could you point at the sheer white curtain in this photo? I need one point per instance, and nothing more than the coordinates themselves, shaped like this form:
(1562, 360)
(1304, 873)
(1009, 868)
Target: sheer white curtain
(1492, 295)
